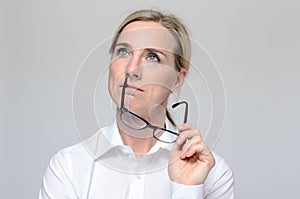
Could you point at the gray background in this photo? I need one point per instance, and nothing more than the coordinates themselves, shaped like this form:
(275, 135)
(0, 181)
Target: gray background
(254, 43)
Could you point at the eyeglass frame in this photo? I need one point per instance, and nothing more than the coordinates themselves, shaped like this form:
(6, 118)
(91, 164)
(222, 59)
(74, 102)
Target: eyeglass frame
(148, 124)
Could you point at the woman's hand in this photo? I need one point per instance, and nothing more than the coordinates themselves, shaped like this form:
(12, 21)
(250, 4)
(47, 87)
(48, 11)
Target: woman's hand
(190, 159)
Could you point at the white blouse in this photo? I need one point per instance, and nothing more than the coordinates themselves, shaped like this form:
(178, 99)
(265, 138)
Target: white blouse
(103, 167)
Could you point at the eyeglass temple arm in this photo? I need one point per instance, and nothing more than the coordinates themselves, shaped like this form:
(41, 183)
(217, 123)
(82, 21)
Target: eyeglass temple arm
(186, 109)
(123, 90)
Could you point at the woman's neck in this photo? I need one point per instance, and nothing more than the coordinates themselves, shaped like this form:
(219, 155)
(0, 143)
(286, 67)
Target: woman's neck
(139, 146)
(140, 141)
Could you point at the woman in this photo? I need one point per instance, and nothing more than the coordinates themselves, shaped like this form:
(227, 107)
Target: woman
(142, 154)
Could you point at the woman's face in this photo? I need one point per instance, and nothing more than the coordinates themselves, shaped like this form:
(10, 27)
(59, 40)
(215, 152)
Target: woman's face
(144, 51)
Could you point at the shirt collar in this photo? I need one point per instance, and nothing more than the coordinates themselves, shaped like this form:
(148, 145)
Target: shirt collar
(109, 137)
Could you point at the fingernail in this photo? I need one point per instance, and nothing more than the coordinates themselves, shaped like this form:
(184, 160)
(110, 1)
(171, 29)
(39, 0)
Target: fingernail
(182, 155)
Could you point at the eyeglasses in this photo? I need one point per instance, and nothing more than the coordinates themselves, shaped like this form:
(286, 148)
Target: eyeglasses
(136, 122)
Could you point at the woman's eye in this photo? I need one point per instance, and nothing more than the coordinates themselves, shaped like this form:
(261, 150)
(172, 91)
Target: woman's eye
(153, 57)
(122, 51)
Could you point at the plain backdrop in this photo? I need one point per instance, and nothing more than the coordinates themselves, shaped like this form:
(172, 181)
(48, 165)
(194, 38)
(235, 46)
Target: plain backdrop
(255, 45)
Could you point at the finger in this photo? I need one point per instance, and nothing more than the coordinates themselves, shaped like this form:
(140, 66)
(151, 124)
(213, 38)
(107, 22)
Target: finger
(204, 157)
(185, 127)
(197, 147)
(193, 150)
(209, 159)
(184, 135)
(187, 145)
(204, 152)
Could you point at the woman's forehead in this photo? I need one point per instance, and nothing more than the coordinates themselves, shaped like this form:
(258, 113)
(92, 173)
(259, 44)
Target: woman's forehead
(141, 35)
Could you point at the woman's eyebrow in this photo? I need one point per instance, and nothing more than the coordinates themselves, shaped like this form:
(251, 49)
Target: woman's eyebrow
(155, 50)
(124, 44)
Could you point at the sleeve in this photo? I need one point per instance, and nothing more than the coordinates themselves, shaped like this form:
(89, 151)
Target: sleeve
(180, 191)
(222, 186)
(56, 184)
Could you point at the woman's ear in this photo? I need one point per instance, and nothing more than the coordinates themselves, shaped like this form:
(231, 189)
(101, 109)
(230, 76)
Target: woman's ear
(180, 80)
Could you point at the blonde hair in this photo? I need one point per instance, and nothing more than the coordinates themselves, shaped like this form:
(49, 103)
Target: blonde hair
(182, 51)
(170, 22)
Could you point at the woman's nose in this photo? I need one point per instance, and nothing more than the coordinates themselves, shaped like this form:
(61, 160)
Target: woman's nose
(134, 67)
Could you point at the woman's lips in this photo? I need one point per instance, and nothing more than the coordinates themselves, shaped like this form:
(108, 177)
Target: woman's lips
(132, 89)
